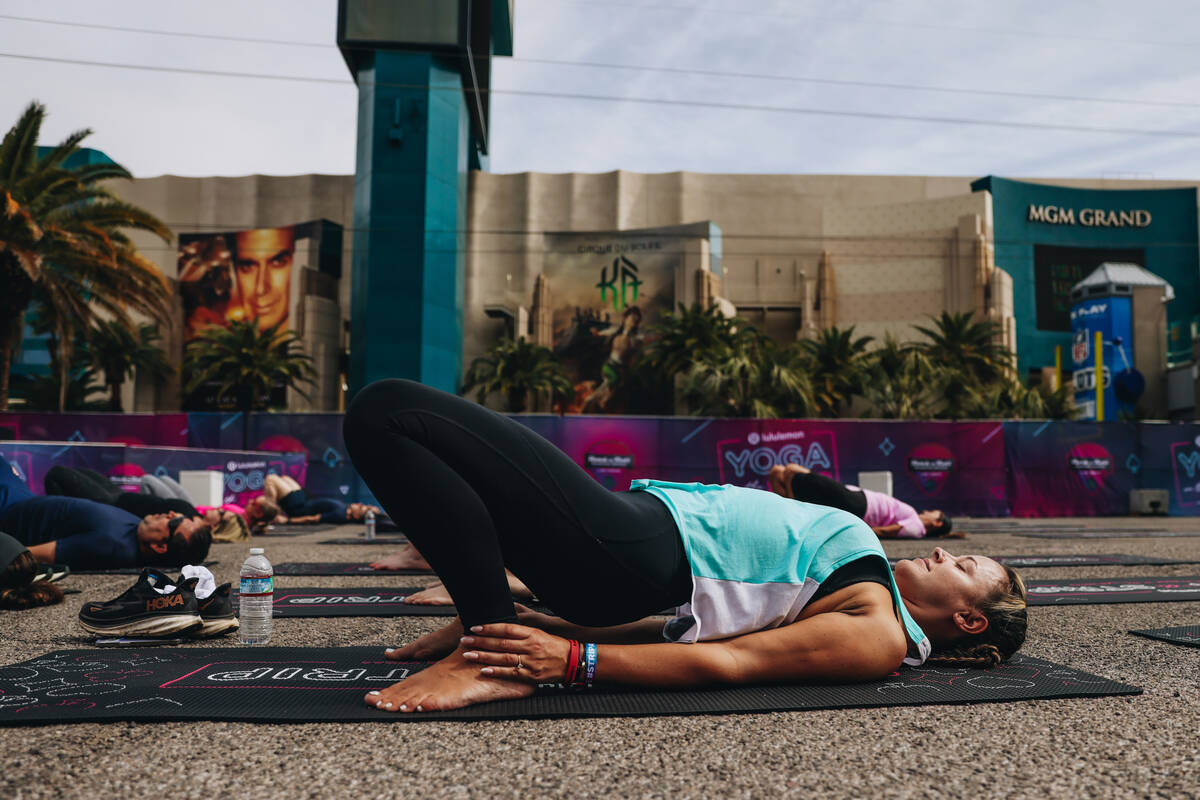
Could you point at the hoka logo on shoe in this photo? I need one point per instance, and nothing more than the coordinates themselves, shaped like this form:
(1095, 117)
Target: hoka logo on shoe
(160, 603)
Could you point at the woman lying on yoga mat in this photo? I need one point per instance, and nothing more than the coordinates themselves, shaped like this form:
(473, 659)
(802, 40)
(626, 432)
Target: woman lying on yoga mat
(766, 589)
(299, 509)
(887, 516)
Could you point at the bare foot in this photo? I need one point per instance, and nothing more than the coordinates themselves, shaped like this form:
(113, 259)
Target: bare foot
(518, 588)
(433, 595)
(436, 594)
(406, 557)
(438, 644)
(452, 682)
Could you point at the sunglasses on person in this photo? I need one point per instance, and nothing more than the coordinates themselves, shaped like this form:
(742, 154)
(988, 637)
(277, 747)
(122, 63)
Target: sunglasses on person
(173, 525)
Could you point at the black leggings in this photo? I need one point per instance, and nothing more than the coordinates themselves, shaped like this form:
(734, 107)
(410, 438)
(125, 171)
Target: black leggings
(477, 492)
(91, 485)
(816, 488)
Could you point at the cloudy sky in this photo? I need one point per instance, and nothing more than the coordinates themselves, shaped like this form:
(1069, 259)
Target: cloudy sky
(1104, 88)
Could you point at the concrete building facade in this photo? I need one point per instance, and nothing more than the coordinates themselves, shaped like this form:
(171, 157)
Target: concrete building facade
(791, 253)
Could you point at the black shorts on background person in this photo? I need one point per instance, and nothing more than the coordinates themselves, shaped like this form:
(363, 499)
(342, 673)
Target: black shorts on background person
(91, 485)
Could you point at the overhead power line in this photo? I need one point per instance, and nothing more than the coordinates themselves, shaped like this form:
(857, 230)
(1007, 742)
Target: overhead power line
(874, 21)
(740, 11)
(648, 68)
(876, 115)
(157, 32)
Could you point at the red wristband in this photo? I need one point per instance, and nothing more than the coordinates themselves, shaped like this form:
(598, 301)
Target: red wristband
(572, 663)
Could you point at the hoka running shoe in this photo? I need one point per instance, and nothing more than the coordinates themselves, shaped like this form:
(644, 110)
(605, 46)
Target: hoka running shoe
(216, 611)
(142, 611)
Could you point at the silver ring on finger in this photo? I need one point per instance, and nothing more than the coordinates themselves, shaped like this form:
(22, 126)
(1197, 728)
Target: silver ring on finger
(520, 666)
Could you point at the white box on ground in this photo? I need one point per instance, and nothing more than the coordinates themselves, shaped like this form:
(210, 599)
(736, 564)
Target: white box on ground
(206, 486)
(876, 481)
(1148, 501)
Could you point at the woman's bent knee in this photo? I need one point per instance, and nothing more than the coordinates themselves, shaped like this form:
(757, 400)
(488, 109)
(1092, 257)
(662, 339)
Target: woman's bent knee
(375, 403)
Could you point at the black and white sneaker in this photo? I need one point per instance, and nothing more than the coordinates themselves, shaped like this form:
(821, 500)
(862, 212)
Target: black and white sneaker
(143, 611)
(217, 614)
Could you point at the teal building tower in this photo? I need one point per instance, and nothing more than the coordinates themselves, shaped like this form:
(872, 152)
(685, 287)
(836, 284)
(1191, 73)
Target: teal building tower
(423, 71)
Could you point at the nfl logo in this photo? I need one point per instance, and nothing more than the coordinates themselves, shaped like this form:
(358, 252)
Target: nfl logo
(1079, 346)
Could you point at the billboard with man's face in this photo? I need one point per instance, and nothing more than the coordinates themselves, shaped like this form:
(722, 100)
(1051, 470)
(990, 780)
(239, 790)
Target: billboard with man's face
(240, 275)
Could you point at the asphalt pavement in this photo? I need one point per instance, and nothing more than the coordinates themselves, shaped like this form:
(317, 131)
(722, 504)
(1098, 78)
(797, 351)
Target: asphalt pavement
(1143, 746)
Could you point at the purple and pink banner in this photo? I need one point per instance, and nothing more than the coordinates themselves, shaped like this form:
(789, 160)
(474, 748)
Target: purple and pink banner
(244, 472)
(1025, 469)
(958, 467)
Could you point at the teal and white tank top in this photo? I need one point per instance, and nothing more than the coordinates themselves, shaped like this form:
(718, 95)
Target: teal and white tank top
(757, 559)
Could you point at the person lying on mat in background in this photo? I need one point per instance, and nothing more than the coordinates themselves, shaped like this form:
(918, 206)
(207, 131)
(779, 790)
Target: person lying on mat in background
(766, 589)
(257, 514)
(87, 535)
(298, 508)
(227, 522)
(18, 568)
(887, 516)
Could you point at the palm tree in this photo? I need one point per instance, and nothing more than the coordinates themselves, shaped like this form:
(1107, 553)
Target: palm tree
(957, 342)
(1009, 399)
(838, 364)
(901, 381)
(517, 368)
(45, 393)
(62, 238)
(248, 362)
(750, 377)
(117, 351)
(694, 334)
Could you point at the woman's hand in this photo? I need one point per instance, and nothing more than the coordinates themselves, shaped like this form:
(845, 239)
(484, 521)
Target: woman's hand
(517, 652)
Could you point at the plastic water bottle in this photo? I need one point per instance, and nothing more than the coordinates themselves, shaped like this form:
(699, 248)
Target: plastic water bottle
(369, 530)
(255, 599)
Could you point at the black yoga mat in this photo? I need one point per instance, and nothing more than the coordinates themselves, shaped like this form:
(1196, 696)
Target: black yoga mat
(1111, 533)
(342, 568)
(1083, 560)
(385, 540)
(130, 570)
(297, 530)
(1187, 634)
(1087, 591)
(285, 684)
(316, 601)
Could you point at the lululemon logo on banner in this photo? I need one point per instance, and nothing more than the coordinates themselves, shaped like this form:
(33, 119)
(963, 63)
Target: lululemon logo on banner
(747, 465)
(930, 464)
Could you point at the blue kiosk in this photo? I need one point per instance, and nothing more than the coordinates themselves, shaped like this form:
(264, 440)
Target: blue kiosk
(423, 70)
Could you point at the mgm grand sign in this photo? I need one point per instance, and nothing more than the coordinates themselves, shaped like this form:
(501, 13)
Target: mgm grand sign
(1089, 217)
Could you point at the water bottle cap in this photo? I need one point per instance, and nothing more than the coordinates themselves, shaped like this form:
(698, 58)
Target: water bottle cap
(256, 551)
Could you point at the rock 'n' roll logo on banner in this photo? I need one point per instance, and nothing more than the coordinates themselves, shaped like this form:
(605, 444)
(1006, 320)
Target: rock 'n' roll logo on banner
(1090, 463)
(930, 465)
(747, 461)
(610, 462)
